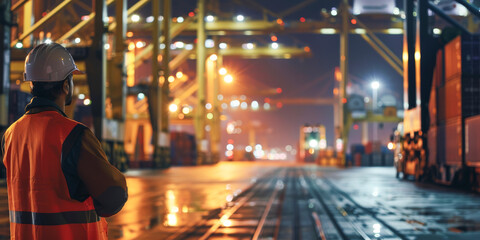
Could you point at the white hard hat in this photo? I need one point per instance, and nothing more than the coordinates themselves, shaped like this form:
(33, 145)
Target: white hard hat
(49, 63)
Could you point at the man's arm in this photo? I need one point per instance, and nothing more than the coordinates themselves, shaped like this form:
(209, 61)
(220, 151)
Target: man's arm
(105, 183)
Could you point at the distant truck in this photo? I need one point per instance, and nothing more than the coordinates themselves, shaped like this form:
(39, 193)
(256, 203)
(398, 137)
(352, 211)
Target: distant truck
(311, 142)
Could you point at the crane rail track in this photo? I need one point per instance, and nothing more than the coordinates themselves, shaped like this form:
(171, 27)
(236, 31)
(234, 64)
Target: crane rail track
(292, 203)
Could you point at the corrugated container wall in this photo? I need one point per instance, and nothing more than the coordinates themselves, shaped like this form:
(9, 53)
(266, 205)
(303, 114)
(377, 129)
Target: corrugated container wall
(432, 146)
(472, 141)
(453, 142)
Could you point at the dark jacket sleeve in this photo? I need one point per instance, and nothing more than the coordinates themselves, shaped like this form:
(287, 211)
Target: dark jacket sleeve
(105, 183)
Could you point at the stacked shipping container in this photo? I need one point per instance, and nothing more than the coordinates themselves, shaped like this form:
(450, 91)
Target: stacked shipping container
(454, 100)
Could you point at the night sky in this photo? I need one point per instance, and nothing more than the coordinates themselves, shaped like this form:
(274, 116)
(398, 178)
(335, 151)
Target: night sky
(303, 78)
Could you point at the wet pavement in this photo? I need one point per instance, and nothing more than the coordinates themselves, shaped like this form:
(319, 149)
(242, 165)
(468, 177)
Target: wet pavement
(268, 200)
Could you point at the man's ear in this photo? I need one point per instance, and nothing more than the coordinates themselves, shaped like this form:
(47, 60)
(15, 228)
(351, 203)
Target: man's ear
(66, 87)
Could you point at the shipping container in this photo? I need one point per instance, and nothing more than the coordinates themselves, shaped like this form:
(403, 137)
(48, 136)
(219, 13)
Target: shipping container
(366, 160)
(432, 146)
(472, 141)
(441, 142)
(453, 99)
(388, 158)
(377, 159)
(462, 57)
(357, 159)
(453, 59)
(432, 107)
(470, 52)
(438, 74)
(470, 95)
(453, 142)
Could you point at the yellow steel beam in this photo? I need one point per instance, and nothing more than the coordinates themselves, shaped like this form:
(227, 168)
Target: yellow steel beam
(187, 91)
(146, 53)
(281, 52)
(179, 59)
(387, 58)
(41, 22)
(378, 41)
(80, 25)
(17, 5)
(304, 101)
(260, 27)
(370, 117)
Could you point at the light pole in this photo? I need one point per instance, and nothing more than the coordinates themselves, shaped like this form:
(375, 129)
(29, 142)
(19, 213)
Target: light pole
(375, 86)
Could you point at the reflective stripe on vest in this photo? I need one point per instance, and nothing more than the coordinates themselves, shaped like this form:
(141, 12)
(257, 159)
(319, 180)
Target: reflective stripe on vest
(54, 218)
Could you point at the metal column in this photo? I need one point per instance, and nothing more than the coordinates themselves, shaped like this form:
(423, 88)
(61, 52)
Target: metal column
(5, 23)
(165, 95)
(117, 86)
(343, 131)
(28, 21)
(153, 97)
(96, 69)
(200, 109)
(216, 129)
(409, 56)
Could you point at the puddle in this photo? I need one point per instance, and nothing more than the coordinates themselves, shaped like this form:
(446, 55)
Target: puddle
(462, 229)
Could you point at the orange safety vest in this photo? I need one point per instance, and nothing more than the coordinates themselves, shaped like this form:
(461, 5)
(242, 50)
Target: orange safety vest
(38, 195)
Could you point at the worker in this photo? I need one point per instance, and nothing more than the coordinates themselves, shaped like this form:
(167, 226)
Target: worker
(60, 183)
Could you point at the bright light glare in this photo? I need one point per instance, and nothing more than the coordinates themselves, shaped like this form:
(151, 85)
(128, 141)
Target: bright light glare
(77, 40)
(140, 96)
(375, 85)
(173, 107)
(395, 31)
(87, 102)
(140, 44)
(208, 106)
(81, 96)
(135, 18)
(19, 45)
(234, 103)
(209, 116)
(179, 44)
(222, 71)
(274, 45)
(186, 110)
(254, 105)
(149, 19)
(209, 18)
(179, 74)
(328, 31)
(244, 105)
(313, 143)
(248, 149)
(248, 46)
(209, 43)
(228, 78)
(222, 45)
(107, 46)
(240, 18)
(213, 57)
(334, 12)
(48, 41)
(180, 19)
(266, 106)
(230, 147)
(390, 146)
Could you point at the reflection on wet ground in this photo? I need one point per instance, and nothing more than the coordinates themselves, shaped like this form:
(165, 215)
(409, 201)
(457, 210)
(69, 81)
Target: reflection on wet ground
(164, 202)
(178, 197)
